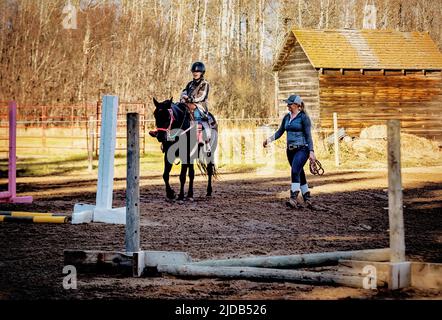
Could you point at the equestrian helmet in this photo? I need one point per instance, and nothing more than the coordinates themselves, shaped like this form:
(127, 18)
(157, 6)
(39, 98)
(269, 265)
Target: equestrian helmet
(198, 67)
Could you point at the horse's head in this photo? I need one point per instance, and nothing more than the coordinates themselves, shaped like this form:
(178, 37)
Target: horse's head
(163, 118)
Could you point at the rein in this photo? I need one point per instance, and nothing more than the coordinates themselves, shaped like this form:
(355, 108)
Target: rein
(316, 168)
(168, 129)
(172, 119)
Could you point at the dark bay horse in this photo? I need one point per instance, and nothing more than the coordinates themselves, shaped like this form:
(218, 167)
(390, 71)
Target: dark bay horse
(177, 133)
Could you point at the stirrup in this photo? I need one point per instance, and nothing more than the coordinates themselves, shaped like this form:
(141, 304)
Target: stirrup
(207, 147)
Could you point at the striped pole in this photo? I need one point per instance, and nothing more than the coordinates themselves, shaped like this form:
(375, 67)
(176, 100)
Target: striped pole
(34, 219)
(29, 214)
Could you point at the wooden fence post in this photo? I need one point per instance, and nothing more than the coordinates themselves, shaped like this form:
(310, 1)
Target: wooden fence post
(395, 208)
(276, 79)
(43, 128)
(336, 138)
(98, 118)
(90, 142)
(144, 119)
(133, 188)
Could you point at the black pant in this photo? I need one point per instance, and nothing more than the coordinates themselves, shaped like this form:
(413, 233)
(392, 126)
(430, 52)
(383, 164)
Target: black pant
(297, 159)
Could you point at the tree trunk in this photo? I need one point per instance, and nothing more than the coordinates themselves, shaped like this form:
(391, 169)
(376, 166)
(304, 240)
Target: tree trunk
(203, 41)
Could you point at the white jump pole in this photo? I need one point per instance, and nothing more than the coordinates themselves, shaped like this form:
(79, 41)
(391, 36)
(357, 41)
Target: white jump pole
(102, 211)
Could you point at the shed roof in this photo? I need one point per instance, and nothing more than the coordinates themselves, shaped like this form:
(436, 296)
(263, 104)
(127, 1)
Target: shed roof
(364, 49)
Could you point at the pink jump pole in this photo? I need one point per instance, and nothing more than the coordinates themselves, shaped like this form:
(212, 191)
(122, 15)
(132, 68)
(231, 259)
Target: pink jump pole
(10, 196)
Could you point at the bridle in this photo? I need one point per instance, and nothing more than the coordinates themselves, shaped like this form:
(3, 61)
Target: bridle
(168, 129)
(316, 168)
(172, 119)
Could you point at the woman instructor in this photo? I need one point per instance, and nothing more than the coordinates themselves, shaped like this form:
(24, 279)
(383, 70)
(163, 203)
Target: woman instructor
(299, 147)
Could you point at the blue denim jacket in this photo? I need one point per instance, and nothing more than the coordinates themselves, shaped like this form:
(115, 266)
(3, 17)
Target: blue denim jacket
(298, 130)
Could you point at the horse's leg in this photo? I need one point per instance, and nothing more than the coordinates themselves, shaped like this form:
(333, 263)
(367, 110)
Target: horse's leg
(209, 176)
(167, 167)
(182, 180)
(191, 178)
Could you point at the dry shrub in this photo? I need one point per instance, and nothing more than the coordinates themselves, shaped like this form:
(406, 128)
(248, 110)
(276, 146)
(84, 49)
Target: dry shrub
(372, 146)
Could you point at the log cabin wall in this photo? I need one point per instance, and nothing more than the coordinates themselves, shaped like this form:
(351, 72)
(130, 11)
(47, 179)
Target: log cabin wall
(298, 76)
(362, 100)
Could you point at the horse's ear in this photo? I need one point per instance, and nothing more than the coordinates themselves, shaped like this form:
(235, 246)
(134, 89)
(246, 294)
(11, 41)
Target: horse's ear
(171, 99)
(156, 103)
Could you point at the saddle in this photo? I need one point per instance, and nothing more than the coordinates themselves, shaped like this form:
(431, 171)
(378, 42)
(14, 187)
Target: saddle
(205, 125)
(205, 115)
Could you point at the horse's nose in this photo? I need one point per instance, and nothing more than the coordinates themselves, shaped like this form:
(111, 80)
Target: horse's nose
(161, 136)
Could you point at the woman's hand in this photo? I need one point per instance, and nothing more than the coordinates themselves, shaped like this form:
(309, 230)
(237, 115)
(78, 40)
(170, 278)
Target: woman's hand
(312, 156)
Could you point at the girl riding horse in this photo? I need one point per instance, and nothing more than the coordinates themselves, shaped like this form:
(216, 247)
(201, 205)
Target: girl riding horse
(178, 136)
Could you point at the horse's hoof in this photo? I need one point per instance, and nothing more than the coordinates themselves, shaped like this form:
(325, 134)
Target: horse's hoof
(180, 201)
(209, 195)
(190, 199)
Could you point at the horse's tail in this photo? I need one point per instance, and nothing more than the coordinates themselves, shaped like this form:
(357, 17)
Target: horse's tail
(203, 165)
(203, 168)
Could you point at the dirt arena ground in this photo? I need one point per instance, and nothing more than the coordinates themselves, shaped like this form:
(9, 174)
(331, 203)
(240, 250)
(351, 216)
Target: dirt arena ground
(246, 216)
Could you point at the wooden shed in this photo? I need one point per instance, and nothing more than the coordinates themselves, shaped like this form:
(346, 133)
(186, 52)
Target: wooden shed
(366, 76)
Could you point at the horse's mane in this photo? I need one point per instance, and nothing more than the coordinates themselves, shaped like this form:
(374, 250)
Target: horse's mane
(181, 107)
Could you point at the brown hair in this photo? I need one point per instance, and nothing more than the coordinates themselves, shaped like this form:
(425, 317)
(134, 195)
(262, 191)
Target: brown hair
(302, 107)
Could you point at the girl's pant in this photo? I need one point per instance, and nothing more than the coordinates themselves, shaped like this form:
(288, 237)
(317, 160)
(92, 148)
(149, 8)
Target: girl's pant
(297, 159)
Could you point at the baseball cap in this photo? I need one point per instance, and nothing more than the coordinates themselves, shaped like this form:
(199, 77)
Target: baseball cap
(293, 99)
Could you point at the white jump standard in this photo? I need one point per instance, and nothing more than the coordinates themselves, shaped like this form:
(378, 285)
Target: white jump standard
(102, 211)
